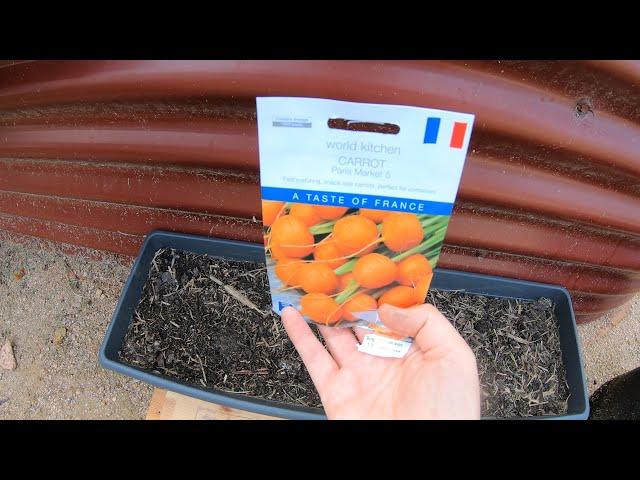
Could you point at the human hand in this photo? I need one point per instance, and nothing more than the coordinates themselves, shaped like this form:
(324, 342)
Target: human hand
(436, 379)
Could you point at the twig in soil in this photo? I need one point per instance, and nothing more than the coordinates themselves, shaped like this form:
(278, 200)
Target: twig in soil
(153, 261)
(238, 296)
(517, 339)
(204, 375)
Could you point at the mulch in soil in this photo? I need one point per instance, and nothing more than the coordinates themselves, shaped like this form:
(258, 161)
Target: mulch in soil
(517, 348)
(188, 326)
(207, 321)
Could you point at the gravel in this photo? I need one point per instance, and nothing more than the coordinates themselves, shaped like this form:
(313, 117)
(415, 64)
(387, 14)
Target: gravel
(611, 345)
(56, 323)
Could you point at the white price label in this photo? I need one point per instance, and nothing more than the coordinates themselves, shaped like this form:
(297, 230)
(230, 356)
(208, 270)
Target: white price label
(383, 346)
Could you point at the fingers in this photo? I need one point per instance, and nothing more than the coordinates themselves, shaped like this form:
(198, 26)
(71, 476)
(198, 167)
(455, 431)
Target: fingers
(360, 333)
(340, 342)
(424, 323)
(319, 363)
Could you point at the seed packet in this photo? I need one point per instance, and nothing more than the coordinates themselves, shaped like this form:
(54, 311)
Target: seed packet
(356, 199)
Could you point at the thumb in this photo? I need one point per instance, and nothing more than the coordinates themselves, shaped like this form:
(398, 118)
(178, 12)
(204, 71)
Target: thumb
(424, 323)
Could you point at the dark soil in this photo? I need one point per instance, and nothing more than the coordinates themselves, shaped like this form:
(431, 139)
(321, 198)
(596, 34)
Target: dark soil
(208, 321)
(618, 399)
(188, 327)
(517, 348)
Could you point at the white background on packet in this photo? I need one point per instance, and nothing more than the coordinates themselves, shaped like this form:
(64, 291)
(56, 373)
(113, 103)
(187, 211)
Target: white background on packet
(302, 153)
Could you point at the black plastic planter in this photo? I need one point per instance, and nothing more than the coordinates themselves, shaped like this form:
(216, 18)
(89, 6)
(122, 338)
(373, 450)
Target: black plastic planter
(443, 280)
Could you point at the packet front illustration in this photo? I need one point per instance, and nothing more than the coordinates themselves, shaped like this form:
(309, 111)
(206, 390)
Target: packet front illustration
(356, 199)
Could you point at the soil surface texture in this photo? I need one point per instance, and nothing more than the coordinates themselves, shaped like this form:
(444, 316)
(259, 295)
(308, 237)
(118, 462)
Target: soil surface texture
(517, 348)
(208, 321)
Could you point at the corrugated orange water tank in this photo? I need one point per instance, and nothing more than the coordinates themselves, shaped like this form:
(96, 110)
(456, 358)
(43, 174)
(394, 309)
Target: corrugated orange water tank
(99, 153)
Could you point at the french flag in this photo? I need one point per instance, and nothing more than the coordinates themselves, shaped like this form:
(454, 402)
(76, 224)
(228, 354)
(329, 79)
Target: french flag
(457, 135)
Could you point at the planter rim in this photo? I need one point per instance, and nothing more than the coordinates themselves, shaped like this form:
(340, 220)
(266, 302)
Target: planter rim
(129, 298)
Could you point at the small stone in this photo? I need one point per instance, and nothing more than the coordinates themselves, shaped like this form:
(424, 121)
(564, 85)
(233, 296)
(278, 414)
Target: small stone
(7, 358)
(99, 293)
(58, 335)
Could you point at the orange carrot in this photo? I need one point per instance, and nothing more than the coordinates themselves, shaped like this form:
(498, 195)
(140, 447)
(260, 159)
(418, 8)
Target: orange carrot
(287, 270)
(412, 269)
(400, 296)
(401, 231)
(305, 212)
(359, 303)
(355, 235)
(375, 215)
(329, 251)
(422, 288)
(318, 278)
(345, 280)
(327, 212)
(320, 308)
(374, 271)
(271, 209)
(291, 237)
(276, 252)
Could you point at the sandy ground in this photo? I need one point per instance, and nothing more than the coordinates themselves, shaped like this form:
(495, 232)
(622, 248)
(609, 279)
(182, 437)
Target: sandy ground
(60, 379)
(611, 345)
